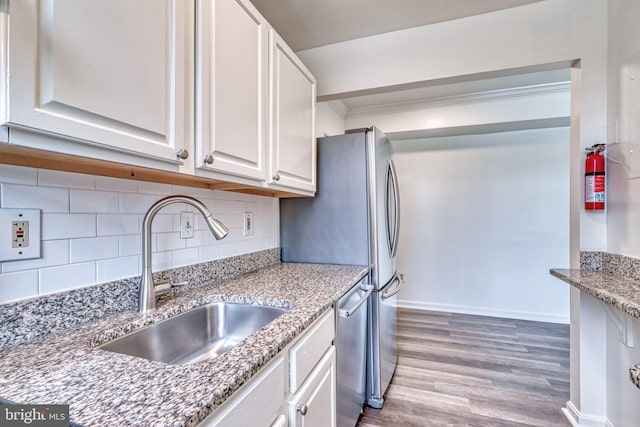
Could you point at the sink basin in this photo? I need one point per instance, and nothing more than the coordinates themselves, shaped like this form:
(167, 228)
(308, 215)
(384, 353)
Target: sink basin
(199, 334)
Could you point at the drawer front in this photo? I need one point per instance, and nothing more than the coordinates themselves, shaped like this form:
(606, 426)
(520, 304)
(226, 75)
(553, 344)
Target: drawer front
(306, 354)
(257, 403)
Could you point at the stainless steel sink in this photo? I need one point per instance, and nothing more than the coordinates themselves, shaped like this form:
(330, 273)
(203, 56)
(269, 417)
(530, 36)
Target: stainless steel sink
(199, 334)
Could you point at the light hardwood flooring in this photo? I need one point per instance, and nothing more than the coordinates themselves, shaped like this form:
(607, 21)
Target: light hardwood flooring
(463, 370)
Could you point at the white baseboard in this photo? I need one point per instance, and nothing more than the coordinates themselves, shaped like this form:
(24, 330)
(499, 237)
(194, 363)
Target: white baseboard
(484, 311)
(581, 420)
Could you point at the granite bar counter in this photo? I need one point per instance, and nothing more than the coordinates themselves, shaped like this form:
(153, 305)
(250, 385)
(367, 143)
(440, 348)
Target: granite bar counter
(107, 389)
(619, 292)
(614, 280)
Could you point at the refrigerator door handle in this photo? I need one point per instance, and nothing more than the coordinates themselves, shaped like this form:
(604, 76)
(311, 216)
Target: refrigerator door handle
(348, 312)
(396, 200)
(393, 289)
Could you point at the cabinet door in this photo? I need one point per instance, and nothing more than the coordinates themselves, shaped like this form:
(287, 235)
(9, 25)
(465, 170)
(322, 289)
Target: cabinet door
(109, 74)
(231, 88)
(293, 112)
(315, 403)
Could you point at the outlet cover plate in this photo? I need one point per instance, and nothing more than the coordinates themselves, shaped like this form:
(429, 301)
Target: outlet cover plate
(8, 218)
(248, 223)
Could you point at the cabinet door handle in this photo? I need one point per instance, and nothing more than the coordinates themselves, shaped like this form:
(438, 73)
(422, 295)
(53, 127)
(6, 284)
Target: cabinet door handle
(208, 159)
(182, 154)
(276, 177)
(302, 409)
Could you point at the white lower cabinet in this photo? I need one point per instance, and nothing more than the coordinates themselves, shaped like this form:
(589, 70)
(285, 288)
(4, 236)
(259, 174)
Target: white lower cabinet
(257, 403)
(314, 405)
(297, 388)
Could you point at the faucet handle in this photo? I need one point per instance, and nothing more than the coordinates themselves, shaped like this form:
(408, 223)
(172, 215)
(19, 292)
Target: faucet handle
(164, 287)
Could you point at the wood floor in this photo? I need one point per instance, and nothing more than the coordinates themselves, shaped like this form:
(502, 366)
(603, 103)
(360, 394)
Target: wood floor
(462, 370)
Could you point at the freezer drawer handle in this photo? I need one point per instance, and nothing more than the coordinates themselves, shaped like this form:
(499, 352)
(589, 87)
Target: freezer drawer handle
(349, 312)
(393, 291)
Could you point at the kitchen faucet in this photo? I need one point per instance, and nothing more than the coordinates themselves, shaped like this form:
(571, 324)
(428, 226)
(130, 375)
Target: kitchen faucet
(148, 290)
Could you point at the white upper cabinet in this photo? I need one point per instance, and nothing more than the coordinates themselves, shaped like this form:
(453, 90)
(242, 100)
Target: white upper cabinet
(293, 105)
(231, 89)
(102, 74)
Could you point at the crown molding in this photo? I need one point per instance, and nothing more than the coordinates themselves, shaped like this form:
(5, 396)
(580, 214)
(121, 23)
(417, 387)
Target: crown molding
(465, 99)
(339, 107)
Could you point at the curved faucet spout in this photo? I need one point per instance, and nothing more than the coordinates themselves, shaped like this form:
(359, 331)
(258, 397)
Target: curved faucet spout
(147, 298)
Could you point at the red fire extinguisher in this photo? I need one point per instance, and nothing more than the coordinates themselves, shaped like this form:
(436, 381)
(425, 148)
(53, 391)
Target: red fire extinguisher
(594, 182)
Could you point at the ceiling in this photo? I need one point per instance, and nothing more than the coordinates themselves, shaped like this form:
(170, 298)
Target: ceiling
(306, 24)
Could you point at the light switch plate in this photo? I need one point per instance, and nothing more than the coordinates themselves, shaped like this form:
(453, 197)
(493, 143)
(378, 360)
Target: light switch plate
(19, 234)
(186, 225)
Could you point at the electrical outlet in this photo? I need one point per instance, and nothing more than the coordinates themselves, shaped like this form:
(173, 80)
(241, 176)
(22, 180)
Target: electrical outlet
(186, 225)
(19, 234)
(248, 223)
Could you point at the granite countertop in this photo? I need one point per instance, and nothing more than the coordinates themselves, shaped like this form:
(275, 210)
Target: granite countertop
(106, 389)
(619, 292)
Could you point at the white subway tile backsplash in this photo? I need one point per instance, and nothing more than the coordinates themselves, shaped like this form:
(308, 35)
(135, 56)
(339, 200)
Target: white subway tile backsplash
(163, 223)
(234, 248)
(54, 252)
(184, 257)
(91, 229)
(154, 188)
(161, 261)
(200, 238)
(10, 174)
(273, 242)
(130, 245)
(136, 203)
(45, 198)
(232, 220)
(198, 193)
(53, 178)
(71, 276)
(81, 201)
(208, 253)
(18, 286)
(118, 268)
(168, 242)
(116, 184)
(118, 224)
(69, 226)
(93, 249)
(176, 208)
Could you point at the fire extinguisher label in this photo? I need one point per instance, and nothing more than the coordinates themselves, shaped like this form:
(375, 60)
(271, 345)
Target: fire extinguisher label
(594, 186)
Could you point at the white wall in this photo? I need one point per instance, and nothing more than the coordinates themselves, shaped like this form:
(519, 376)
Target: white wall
(622, 395)
(623, 223)
(544, 32)
(329, 120)
(91, 229)
(483, 219)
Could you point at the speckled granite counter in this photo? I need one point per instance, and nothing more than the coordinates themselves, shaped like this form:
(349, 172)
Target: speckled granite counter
(611, 278)
(107, 389)
(621, 293)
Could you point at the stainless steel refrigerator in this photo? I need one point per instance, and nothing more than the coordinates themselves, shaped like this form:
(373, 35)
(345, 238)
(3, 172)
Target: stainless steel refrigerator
(354, 219)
